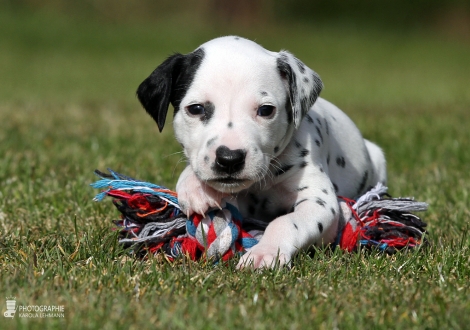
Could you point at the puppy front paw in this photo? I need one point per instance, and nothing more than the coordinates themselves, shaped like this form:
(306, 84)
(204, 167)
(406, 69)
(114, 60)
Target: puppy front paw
(195, 196)
(263, 256)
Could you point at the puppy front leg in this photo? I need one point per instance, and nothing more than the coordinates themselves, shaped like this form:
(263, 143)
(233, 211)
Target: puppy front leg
(195, 196)
(312, 222)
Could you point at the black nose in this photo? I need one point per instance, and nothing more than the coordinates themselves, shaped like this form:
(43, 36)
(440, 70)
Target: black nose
(229, 161)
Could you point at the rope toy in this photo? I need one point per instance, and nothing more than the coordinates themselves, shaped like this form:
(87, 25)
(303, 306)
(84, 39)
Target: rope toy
(152, 222)
(384, 223)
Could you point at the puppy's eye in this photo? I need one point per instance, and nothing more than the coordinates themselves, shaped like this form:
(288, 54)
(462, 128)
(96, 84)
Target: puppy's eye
(265, 110)
(196, 109)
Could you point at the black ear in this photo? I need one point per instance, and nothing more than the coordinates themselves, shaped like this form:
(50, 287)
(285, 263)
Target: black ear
(168, 83)
(303, 84)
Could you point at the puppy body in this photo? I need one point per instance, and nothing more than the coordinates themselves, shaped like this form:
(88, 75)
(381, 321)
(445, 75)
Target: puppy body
(253, 127)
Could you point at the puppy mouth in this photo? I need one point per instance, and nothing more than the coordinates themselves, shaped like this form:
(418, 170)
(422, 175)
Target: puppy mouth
(228, 181)
(229, 184)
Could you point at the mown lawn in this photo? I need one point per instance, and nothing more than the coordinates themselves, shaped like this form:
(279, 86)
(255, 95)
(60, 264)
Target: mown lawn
(67, 106)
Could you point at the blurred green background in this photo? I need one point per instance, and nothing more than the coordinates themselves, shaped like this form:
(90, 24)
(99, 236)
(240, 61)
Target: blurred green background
(369, 53)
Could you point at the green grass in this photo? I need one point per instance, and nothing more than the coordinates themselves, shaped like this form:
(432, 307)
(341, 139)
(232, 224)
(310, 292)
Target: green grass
(67, 106)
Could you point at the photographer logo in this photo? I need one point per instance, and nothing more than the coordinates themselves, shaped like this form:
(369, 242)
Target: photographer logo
(33, 311)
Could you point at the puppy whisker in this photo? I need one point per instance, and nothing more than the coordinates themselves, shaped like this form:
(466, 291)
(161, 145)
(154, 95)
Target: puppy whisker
(173, 154)
(182, 159)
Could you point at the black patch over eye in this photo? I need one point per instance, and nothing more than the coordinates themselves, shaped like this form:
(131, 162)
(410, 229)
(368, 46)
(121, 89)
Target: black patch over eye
(265, 110)
(196, 109)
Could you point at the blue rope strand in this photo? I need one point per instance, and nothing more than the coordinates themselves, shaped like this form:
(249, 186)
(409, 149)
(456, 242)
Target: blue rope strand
(119, 183)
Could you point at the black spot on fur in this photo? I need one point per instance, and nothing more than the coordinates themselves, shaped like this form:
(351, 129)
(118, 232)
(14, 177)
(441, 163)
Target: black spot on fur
(320, 202)
(340, 161)
(333, 118)
(237, 38)
(287, 73)
(328, 159)
(304, 152)
(320, 227)
(263, 93)
(298, 203)
(327, 127)
(300, 65)
(319, 122)
(335, 187)
(206, 159)
(276, 149)
(321, 169)
(211, 141)
(306, 80)
(297, 228)
(302, 188)
(309, 119)
(284, 58)
(290, 113)
(283, 169)
(297, 144)
(208, 113)
(230, 125)
(319, 133)
(317, 143)
(303, 164)
(363, 182)
(333, 211)
(325, 191)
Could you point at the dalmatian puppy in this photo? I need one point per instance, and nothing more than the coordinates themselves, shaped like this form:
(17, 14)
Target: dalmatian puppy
(253, 127)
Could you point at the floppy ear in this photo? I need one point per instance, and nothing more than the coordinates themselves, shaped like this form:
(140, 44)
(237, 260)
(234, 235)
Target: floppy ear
(303, 84)
(168, 83)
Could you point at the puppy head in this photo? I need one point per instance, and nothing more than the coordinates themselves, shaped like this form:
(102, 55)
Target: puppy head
(236, 107)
